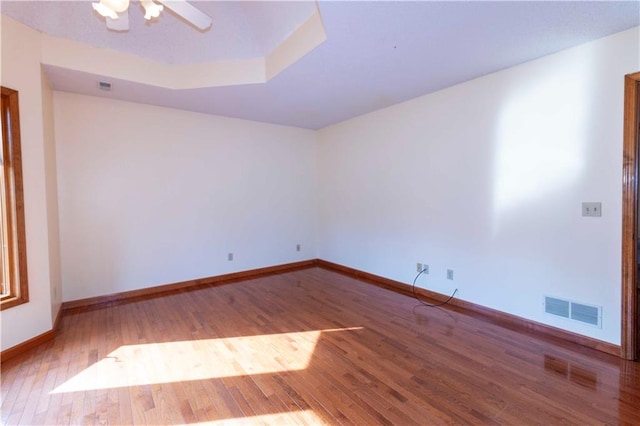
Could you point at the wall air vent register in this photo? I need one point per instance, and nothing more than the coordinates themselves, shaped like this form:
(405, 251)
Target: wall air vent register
(587, 314)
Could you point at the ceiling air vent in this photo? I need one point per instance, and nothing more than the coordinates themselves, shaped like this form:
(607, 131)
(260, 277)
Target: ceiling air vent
(586, 314)
(104, 85)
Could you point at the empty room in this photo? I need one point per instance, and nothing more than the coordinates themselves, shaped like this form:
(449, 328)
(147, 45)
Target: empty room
(319, 212)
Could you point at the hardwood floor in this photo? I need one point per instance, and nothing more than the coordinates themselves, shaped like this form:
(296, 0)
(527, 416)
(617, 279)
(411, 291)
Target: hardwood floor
(308, 347)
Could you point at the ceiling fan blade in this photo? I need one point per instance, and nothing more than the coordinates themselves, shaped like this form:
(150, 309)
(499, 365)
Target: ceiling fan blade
(188, 12)
(120, 24)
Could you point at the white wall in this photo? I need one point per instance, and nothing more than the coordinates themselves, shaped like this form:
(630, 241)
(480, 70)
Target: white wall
(151, 196)
(21, 71)
(487, 178)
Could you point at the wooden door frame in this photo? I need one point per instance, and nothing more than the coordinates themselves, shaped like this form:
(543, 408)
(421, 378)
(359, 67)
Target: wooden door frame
(630, 166)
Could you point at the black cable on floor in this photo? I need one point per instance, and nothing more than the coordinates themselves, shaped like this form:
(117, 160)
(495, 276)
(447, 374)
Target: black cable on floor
(415, 294)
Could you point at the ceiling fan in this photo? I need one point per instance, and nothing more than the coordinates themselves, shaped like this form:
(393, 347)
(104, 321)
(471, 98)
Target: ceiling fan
(116, 12)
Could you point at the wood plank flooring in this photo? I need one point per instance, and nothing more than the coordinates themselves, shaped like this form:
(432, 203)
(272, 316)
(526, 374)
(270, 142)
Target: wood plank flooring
(308, 347)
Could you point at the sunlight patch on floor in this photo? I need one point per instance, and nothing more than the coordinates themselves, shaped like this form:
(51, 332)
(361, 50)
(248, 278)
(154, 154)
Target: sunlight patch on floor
(169, 362)
(302, 417)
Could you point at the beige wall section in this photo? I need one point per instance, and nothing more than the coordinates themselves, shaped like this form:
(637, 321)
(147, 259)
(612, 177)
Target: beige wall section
(21, 54)
(51, 181)
(152, 195)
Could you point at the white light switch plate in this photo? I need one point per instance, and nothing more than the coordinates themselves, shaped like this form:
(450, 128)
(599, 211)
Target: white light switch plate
(592, 209)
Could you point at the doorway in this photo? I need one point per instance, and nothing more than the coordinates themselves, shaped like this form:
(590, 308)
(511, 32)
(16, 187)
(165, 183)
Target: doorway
(630, 341)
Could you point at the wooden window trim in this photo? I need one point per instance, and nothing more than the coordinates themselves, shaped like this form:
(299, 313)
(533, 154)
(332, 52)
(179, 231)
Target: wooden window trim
(15, 226)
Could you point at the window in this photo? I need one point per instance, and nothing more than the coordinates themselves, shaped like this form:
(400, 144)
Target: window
(13, 251)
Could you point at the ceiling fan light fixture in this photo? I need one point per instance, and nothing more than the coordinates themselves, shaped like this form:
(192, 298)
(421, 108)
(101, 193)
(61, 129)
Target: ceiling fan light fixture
(151, 9)
(117, 17)
(105, 11)
(117, 6)
(111, 8)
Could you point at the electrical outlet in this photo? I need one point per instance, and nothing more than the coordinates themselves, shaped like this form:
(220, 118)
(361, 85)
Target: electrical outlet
(297, 247)
(425, 268)
(230, 256)
(418, 267)
(449, 274)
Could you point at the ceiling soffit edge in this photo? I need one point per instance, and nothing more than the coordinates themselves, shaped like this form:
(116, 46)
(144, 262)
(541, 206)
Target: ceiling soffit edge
(73, 55)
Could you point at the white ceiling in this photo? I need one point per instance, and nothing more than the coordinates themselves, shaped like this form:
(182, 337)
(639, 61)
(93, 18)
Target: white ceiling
(377, 53)
(241, 29)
